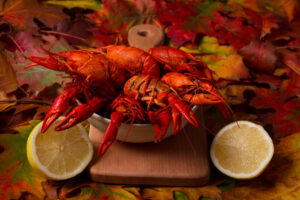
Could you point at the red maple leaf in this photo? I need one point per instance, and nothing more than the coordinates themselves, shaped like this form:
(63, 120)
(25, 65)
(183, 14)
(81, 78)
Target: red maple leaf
(235, 31)
(286, 116)
(116, 18)
(185, 19)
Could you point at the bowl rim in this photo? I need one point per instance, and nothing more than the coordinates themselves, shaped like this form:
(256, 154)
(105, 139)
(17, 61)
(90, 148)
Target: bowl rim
(107, 120)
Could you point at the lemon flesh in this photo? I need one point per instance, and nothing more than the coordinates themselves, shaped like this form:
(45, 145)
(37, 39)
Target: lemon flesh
(59, 155)
(242, 150)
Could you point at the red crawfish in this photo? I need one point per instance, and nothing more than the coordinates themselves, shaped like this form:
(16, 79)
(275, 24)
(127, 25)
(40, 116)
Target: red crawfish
(162, 103)
(123, 109)
(133, 60)
(92, 75)
(180, 61)
(196, 91)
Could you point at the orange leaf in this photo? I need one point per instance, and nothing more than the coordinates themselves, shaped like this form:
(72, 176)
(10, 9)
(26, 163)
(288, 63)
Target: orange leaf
(167, 193)
(268, 22)
(20, 13)
(8, 80)
(285, 8)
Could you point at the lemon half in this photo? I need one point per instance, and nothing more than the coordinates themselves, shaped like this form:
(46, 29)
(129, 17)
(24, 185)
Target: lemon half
(59, 155)
(242, 150)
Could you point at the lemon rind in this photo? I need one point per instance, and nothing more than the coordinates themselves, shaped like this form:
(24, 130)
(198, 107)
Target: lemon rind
(263, 164)
(41, 169)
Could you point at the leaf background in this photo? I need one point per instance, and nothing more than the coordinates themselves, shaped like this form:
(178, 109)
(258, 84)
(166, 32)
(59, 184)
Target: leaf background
(252, 47)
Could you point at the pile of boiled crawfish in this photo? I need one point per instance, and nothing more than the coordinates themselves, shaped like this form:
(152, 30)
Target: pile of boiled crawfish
(133, 86)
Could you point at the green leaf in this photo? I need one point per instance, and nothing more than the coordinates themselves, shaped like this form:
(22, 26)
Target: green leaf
(211, 45)
(228, 184)
(204, 11)
(180, 196)
(85, 4)
(16, 175)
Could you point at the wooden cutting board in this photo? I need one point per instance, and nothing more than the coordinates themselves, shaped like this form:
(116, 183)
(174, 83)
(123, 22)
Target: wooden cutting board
(180, 160)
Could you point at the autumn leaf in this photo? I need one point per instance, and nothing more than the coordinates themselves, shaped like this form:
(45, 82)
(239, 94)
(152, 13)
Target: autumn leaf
(286, 114)
(273, 81)
(16, 175)
(244, 3)
(284, 8)
(116, 18)
(20, 13)
(223, 60)
(292, 60)
(268, 23)
(235, 31)
(185, 19)
(8, 80)
(4, 105)
(210, 45)
(73, 32)
(93, 190)
(17, 114)
(290, 87)
(167, 193)
(86, 4)
(281, 179)
(234, 93)
(259, 56)
(37, 77)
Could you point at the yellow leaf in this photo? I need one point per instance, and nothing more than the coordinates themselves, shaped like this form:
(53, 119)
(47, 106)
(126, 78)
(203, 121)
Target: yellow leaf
(227, 67)
(211, 45)
(86, 4)
(5, 105)
(167, 193)
(223, 59)
(234, 94)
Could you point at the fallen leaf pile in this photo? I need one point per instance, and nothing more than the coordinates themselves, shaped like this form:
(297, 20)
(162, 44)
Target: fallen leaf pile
(252, 47)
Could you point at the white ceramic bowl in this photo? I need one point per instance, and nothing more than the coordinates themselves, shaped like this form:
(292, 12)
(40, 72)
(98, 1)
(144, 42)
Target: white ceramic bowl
(139, 133)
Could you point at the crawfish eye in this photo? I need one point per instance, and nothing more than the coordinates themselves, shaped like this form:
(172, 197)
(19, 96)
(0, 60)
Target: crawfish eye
(186, 60)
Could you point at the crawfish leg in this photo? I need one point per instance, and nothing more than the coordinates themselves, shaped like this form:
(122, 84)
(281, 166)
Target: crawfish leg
(80, 113)
(110, 132)
(58, 107)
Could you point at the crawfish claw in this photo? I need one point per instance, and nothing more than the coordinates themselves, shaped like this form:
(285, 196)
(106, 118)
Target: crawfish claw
(110, 132)
(58, 107)
(184, 109)
(103, 147)
(79, 113)
(161, 122)
(48, 62)
(49, 119)
(67, 122)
